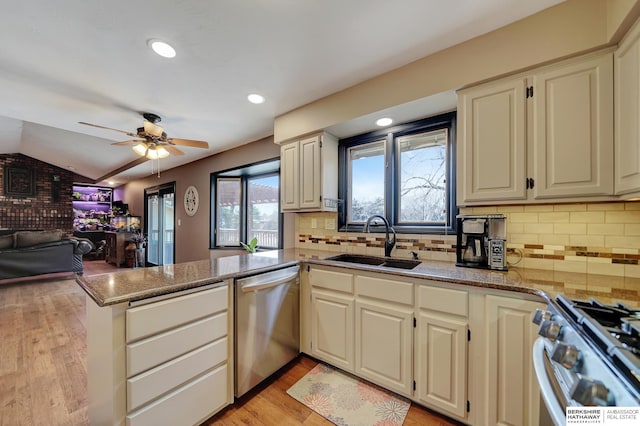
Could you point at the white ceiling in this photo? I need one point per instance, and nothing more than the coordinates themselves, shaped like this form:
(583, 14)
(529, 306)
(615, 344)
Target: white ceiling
(66, 61)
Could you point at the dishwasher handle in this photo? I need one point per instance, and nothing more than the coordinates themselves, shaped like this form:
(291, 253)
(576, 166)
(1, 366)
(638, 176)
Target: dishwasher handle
(268, 283)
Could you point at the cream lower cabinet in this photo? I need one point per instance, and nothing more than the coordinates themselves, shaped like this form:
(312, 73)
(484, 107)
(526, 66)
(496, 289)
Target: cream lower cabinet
(509, 386)
(332, 310)
(384, 332)
(167, 361)
(442, 349)
(467, 355)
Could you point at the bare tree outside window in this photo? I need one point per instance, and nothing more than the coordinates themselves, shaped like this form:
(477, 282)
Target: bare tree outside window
(423, 172)
(405, 173)
(366, 181)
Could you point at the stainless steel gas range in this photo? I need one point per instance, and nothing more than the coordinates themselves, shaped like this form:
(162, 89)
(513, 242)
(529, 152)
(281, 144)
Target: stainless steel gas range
(588, 354)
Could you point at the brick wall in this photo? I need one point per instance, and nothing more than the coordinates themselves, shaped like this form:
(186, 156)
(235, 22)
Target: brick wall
(595, 238)
(40, 211)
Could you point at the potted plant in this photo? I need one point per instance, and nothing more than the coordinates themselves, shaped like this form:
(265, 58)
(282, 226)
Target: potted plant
(252, 247)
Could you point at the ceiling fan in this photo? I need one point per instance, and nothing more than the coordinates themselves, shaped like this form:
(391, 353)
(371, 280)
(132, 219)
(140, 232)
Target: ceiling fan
(151, 140)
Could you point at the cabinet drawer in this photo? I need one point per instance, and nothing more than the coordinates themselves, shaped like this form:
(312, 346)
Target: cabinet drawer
(444, 300)
(149, 385)
(188, 405)
(384, 289)
(143, 321)
(338, 281)
(161, 348)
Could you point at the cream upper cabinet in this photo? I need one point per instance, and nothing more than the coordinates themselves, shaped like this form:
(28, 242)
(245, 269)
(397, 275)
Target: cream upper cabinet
(492, 142)
(573, 128)
(627, 114)
(309, 173)
(442, 349)
(544, 135)
(511, 391)
(289, 176)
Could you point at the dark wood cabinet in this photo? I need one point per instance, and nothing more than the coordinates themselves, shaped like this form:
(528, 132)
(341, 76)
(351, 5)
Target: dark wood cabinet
(114, 250)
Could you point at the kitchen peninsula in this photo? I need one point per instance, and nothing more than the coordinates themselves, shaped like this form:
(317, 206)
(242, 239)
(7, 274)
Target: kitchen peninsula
(162, 337)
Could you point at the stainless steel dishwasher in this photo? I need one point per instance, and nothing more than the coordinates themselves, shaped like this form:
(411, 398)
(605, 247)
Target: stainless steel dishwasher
(267, 325)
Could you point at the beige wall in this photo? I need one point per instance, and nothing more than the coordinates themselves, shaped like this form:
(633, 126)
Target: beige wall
(192, 235)
(570, 28)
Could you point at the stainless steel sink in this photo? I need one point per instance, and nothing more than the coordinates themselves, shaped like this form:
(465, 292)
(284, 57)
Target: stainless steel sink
(376, 261)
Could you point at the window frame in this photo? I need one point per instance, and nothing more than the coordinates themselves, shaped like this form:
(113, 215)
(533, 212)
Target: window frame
(392, 157)
(266, 168)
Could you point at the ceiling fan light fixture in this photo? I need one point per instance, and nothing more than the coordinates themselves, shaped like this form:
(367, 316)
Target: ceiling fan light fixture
(161, 48)
(140, 149)
(157, 153)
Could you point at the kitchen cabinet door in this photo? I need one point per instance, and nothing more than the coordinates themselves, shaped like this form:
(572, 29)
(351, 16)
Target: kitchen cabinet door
(332, 328)
(492, 130)
(289, 176)
(512, 392)
(542, 135)
(627, 114)
(441, 362)
(442, 349)
(309, 173)
(384, 348)
(573, 128)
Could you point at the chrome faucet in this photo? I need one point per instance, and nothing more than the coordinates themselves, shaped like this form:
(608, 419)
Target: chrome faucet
(388, 243)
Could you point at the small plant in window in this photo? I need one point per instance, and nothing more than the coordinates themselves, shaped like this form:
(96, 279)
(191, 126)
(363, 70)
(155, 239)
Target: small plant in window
(252, 247)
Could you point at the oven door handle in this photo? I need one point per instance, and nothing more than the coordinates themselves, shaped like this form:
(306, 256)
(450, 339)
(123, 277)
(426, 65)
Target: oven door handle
(554, 407)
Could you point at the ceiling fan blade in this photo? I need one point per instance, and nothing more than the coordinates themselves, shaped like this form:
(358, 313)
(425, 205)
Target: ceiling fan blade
(153, 129)
(188, 142)
(131, 142)
(108, 128)
(172, 149)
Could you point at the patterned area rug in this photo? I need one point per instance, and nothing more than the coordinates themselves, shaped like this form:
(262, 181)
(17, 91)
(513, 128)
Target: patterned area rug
(347, 401)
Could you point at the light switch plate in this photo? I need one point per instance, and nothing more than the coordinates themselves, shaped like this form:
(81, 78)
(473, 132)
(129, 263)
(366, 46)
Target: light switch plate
(314, 223)
(329, 224)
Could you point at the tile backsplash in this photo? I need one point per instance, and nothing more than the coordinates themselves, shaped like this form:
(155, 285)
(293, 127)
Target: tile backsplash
(596, 238)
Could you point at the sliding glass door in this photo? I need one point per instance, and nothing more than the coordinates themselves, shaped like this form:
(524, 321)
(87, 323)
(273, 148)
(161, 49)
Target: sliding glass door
(160, 224)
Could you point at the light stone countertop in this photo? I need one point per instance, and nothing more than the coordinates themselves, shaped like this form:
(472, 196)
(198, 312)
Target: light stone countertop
(133, 284)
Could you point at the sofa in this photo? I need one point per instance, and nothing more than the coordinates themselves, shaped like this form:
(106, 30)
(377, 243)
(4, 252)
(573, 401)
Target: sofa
(28, 253)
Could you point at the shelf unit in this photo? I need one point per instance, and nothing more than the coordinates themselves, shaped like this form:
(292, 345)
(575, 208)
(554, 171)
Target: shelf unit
(91, 202)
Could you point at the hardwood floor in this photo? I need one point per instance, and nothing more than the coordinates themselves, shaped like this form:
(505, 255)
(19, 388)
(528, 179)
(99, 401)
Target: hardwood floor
(43, 368)
(269, 404)
(43, 354)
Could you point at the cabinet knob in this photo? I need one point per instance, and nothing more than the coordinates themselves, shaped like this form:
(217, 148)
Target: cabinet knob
(590, 392)
(566, 355)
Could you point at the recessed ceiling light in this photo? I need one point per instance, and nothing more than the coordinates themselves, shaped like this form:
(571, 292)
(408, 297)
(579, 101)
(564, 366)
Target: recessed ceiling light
(384, 121)
(111, 182)
(254, 98)
(161, 48)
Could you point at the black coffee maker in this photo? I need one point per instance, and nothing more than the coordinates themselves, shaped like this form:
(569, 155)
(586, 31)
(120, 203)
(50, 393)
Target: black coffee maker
(481, 241)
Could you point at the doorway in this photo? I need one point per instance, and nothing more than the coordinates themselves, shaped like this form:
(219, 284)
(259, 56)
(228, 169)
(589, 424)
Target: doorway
(160, 224)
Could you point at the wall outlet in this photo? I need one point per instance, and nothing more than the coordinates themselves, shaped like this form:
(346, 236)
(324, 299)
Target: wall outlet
(329, 224)
(314, 223)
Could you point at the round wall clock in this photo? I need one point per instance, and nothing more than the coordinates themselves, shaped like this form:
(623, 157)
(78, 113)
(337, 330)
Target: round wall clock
(191, 200)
